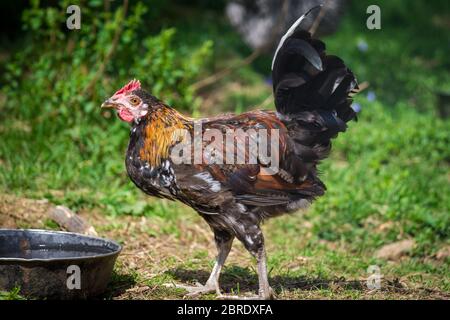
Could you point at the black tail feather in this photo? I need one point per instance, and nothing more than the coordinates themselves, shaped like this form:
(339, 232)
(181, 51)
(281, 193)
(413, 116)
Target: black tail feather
(312, 92)
(306, 79)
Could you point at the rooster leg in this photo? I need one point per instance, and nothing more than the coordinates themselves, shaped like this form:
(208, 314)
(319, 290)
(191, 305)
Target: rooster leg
(265, 291)
(224, 242)
(254, 243)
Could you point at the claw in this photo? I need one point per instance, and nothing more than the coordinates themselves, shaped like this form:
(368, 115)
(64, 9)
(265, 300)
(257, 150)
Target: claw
(262, 296)
(195, 290)
(234, 297)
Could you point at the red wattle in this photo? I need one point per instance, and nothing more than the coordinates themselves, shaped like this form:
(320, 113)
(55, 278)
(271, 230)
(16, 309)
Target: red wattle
(125, 115)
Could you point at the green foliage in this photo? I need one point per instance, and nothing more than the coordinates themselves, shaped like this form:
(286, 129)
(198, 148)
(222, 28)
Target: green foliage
(54, 86)
(14, 294)
(70, 72)
(407, 60)
(392, 166)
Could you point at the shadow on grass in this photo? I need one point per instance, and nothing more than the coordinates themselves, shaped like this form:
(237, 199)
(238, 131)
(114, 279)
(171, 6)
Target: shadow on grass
(247, 280)
(118, 285)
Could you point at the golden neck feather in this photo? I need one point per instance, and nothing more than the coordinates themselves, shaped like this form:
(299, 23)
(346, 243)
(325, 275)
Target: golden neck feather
(161, 132)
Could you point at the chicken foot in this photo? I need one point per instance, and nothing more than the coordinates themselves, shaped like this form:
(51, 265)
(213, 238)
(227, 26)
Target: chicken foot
(223, 243)
(265, 292)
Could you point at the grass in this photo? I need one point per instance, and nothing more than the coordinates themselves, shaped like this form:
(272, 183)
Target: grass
(387, 176)
(14, 294)
(302, 265)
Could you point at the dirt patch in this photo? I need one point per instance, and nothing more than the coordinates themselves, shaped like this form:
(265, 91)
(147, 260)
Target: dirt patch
(443, 253)
(396, 250)
(16, 212)
(153, 256)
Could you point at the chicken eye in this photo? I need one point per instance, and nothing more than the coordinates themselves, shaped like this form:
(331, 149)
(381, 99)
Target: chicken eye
(134, 101)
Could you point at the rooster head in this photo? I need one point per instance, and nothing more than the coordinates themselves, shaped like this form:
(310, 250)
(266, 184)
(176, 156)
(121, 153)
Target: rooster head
(131, 102)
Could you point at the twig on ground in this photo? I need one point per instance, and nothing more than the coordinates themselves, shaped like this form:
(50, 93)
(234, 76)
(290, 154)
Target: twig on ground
(67, 219)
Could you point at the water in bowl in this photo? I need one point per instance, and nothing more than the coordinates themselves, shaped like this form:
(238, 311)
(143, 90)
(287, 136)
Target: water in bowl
(52, 252)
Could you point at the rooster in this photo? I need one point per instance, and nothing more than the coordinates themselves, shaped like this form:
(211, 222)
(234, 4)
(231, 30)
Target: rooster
(312, 95)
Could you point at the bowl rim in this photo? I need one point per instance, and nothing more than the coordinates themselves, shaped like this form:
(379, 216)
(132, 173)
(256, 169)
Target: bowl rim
(48, 260)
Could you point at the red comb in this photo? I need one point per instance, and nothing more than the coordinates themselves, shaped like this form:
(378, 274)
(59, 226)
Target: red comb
(129, 87)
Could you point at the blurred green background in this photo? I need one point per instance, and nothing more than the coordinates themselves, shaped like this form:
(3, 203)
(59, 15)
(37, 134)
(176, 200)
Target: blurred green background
(390, 168)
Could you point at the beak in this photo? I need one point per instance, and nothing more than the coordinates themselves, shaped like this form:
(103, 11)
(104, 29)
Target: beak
(108, 104)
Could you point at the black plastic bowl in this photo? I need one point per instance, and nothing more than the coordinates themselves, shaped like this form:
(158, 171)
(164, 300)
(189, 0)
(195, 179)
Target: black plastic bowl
(55, 264)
